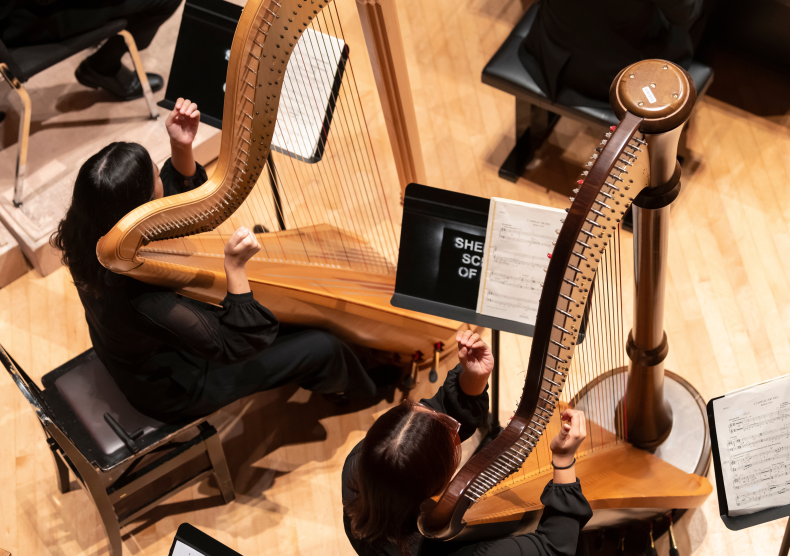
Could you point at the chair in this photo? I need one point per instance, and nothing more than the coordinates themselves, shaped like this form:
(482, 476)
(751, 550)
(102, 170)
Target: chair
(17, 65)
(536, 114)
(127, 463)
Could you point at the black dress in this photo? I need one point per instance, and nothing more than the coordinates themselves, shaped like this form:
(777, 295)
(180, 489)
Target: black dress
(583, 45)
(173, 356)
(565, 514)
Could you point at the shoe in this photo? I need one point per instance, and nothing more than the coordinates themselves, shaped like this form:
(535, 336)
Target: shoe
(125, 84)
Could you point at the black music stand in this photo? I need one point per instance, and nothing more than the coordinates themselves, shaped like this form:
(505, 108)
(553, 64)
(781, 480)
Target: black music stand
(737, 523)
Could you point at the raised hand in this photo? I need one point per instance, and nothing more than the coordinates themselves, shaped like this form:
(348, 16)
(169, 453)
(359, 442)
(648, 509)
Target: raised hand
(182, 122)
(571, 435)
(477, 362)
(242, 246)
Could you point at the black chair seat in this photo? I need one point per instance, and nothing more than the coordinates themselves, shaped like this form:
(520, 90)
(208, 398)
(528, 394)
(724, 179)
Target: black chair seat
(81, 392)
(506, 72)
(30, 60)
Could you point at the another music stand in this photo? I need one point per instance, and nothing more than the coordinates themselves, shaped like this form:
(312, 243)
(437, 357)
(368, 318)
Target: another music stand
(736, 523)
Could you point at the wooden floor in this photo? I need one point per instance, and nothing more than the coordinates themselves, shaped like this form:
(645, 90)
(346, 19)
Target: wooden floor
(727, 314)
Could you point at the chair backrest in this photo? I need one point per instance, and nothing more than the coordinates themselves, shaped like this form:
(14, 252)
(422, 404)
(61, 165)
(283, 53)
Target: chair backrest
(28, 388)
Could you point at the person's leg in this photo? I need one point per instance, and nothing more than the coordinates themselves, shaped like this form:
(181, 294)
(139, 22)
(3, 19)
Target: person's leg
(145, 17)
(313, 359)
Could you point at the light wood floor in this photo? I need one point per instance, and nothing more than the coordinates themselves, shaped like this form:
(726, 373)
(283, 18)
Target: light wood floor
(727, 315)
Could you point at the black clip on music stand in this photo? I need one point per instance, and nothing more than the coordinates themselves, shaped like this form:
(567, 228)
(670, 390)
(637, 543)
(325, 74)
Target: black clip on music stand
(736, 523)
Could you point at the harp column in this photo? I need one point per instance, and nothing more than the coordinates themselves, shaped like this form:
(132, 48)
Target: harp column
(380, 25)
(664, 95)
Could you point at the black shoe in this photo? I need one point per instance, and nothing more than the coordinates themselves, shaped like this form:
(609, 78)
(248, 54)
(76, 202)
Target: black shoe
(125, 84)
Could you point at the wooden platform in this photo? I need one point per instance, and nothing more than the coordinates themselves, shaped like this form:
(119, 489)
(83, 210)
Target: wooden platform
(727, 319)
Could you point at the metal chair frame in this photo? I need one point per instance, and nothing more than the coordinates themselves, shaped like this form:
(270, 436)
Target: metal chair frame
(125, 476)
(24, 128)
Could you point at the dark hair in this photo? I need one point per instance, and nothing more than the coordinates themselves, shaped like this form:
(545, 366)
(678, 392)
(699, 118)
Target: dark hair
(406, 457)
(112, 183)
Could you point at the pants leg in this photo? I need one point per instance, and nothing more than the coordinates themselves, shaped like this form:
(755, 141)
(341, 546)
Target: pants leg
(313, 359)
(37, 24)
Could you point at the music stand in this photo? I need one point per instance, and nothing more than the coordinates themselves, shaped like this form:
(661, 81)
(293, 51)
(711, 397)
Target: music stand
(737, 523)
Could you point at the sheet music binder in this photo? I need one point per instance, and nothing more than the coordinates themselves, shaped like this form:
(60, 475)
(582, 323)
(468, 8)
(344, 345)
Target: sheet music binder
(422, 284)
(736, 523)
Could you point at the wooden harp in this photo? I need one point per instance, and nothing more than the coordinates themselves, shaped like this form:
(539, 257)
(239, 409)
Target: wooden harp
(497, 492)
(329, 260)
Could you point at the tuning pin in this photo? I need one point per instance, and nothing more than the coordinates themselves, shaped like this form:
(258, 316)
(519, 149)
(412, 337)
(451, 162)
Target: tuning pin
(603, 141)
(590, 164)
(575, 190)
(567, 209)
(608, 134)
(585, 173)
(571, 198)
(594, 156)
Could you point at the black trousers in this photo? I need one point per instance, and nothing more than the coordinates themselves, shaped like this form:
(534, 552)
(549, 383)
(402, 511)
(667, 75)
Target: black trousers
(313, 359)
(31, 23)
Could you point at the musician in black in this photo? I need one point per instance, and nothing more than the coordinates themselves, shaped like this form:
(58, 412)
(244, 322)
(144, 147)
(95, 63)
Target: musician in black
(411, 452)
(583, 45)
(170, 355)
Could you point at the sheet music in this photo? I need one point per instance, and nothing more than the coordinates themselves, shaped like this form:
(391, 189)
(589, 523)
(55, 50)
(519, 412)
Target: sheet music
(753, 430)
(518, 240)
(306, 94)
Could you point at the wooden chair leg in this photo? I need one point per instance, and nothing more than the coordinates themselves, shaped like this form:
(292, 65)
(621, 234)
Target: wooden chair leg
(107, 513)
(533, 126)
(217, 456)
(61, 470)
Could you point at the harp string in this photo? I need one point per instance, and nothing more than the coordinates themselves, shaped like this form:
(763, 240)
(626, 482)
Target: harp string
(372, 162)
(363, 167)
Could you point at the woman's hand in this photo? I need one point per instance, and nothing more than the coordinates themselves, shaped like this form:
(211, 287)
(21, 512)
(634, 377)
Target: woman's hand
(563, 447)
(242, 246)
(182, 122)
(182, 125)
(477, 362)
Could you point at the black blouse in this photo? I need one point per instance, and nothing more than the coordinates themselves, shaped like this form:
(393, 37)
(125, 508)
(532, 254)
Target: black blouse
(565, 514)
(158, 345)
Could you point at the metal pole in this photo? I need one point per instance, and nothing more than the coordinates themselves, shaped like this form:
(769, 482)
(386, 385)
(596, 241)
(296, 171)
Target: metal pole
(495, 425)
(785, 549)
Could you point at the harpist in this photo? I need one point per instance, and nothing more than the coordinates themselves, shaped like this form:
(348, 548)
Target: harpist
(170, 355)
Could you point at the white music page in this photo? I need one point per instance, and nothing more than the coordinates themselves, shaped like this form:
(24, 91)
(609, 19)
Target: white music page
(518, 242)
(753, 431)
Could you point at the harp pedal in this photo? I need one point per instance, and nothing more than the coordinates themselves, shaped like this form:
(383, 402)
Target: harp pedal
(410, 381)
(433, 376)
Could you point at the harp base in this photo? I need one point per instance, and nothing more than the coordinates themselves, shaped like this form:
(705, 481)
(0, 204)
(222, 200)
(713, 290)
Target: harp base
(687, 447)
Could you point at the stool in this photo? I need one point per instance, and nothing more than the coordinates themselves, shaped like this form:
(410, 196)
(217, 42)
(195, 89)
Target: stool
(117, 454)
(536, 114)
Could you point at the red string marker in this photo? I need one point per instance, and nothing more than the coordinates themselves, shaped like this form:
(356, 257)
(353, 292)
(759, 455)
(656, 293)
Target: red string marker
(580, 182)
(549, 254)
(613, 128)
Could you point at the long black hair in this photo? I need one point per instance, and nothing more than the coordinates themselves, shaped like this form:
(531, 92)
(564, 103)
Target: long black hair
(406, 457)
(112, 183)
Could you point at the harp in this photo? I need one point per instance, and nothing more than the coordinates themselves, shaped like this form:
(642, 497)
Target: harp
(328, 261)
(624, 464)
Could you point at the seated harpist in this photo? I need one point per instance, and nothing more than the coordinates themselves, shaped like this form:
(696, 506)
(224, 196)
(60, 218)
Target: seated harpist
(172, 356)
(412, 451)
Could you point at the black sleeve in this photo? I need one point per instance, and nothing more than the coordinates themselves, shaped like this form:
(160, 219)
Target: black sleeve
(174, 182)
(565, 514)
(238, 330)
(470, 411)
(682, 13)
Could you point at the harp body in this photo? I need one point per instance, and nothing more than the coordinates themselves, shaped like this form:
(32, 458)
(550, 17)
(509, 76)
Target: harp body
(333, 267)
(497, 492)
